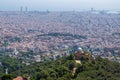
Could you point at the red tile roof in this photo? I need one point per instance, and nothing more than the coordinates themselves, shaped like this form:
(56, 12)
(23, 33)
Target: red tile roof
(18, 78)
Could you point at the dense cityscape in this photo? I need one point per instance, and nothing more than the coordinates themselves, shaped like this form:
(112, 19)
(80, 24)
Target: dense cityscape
(27, 37)
(56, 33)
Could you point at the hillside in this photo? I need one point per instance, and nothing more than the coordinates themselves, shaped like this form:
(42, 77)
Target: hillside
(63, 69)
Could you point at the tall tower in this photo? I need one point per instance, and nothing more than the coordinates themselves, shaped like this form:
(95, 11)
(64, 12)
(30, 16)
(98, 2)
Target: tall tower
(92, 9)
(21, 9)
(26, 9)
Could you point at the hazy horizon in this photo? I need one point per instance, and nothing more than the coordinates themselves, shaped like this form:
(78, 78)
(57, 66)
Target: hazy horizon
(59, 5)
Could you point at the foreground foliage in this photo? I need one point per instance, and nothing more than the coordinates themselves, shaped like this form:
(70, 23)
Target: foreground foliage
(62, 69)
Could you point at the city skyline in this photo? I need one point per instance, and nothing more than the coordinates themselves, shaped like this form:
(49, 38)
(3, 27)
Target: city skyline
(59, 5)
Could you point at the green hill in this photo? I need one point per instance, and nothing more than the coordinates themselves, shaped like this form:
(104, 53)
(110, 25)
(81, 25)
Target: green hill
(66, 68)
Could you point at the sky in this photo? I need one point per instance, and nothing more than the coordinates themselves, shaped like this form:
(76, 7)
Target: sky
(59, 5)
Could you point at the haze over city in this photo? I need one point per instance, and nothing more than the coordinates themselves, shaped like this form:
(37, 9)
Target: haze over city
(59, 5)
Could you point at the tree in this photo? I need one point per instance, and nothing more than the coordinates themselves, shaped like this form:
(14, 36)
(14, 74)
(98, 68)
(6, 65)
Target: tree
(71, 57)
(7, 77)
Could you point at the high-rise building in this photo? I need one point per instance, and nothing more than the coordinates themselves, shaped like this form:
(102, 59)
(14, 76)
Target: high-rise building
(26, 9)
(21, 8)
(92, 9)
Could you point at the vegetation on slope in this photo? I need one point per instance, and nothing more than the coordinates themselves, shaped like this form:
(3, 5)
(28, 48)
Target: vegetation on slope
(62, 69)
(64, 34)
